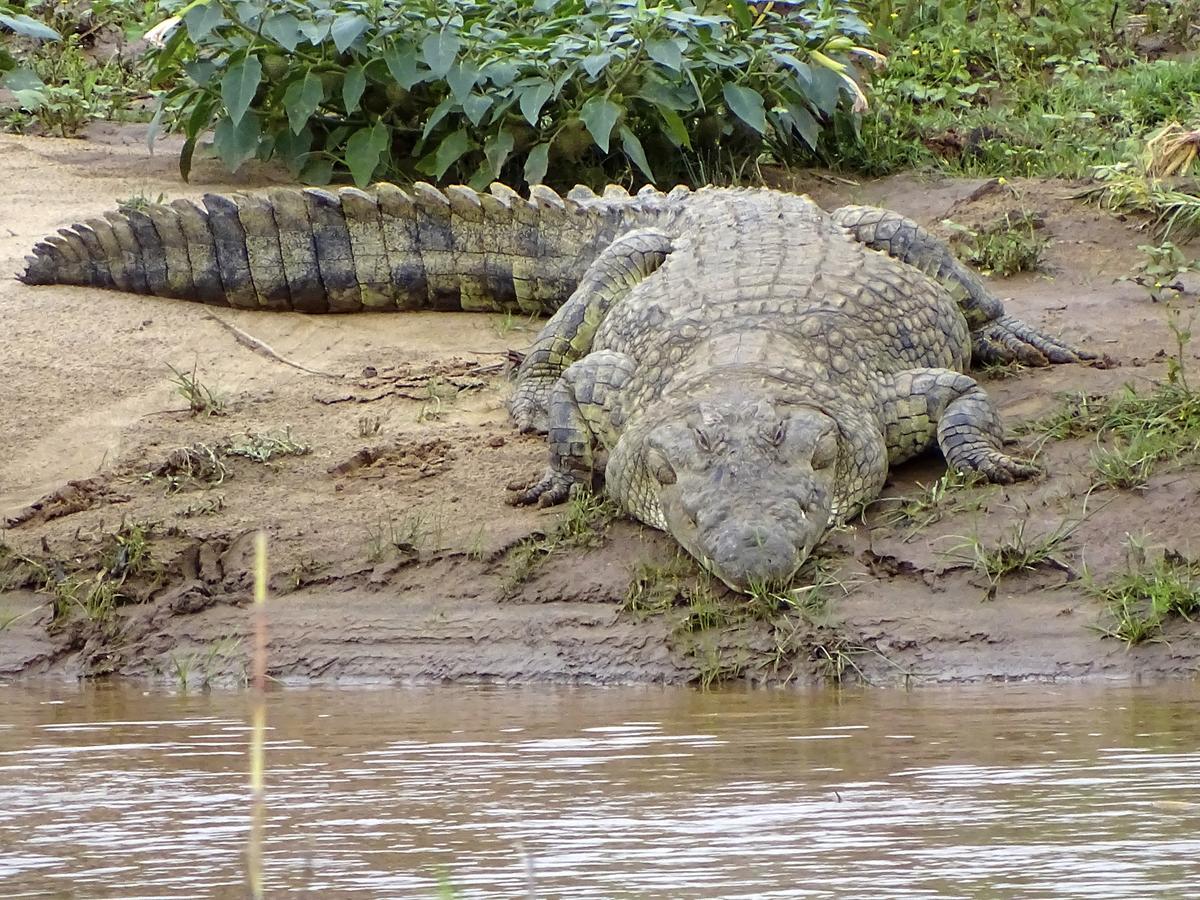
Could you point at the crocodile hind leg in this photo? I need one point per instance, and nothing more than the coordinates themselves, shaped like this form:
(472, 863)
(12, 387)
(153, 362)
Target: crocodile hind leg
(995, 336)
(582, 408)
(920, 406)
(568, 335)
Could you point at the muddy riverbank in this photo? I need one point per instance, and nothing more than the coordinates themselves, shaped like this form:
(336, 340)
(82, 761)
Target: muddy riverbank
(393, 552)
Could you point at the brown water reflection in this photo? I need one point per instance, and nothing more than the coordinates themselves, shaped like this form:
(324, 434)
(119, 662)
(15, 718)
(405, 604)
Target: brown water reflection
(1028, 791)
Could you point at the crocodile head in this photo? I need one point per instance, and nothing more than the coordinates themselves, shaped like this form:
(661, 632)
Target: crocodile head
(746, 487)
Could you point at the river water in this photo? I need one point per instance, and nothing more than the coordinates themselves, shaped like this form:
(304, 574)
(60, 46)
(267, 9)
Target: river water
(998, 791)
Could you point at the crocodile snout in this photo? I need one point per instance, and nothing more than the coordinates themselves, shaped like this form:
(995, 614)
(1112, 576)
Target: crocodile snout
(747, 554)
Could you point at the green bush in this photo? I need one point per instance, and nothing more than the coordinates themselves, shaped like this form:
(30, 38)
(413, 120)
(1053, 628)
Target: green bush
(533, 90)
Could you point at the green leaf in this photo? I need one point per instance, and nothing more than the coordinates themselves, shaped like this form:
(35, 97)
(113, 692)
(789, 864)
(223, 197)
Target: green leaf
(363, 151)
(236, 142)
(665, 53)
(595, 63)
(439, 51)
(806, 126)
(353, 87)
(22, 80)
(185, 158)
(476, 106)
(346, 29)
(293, 149)
(461, 79)
(496, 150)
(316, 32)
(600, 115)
(301, 100)
(675, 128)
(536, 163)
(447, 154)
(439, 113)
(155, 125)
(28, 27)
(533, 98)
(239, 85)
(747, 104)
(633, 149)
(200, 20)
(284, 30)
(401, 61)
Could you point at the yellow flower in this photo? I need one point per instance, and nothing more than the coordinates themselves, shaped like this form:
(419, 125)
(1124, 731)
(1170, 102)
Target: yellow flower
(895, 15)
(955, 52)
(916, 52)
(1002, 180)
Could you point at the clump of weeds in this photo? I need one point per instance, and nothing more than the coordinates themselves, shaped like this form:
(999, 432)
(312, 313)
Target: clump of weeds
(1144, 429)
(584, 523)
(199, 464)
(768, 634)
(201, 400)
(948, 495)
(1019, 549)
(120, 569)
(1148, 593)
(263, 447)
(1003, 249)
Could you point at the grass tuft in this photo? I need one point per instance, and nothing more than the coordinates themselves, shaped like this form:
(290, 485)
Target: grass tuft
(1148, 594)
(201, 400)
(584, 523)
(1018, 550)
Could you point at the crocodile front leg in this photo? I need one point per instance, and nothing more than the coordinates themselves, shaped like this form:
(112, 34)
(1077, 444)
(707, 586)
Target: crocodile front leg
(582, 418)
(995, 336)
(919, 406)
(568, 335)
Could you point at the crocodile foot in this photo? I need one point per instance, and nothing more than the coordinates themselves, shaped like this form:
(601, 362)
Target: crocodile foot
(1008, 339)
(994, 465)
(553, 488)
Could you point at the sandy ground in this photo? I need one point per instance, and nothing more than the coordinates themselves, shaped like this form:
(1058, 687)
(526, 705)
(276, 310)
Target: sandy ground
(397, 562)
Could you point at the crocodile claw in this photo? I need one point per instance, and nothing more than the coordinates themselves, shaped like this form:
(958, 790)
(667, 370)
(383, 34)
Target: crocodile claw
(1008, 339)
(553, 488)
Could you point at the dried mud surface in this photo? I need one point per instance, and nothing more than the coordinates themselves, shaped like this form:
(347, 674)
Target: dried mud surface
(393, 553)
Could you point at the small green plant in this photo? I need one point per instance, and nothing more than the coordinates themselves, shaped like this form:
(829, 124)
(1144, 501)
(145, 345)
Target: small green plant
(1005, 249)
(264, 447)
(184, 467)
(96, 583)
(1174, 211)
(410, 534)
(140, 201)
(1160, 269)
(584, 523)
(201, 400)
(206, 664)
(1017, 550)
(1148, 594)
(946, 496)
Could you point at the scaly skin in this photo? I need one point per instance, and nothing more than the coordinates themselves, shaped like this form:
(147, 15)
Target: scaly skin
(753, 370)
(750, 364)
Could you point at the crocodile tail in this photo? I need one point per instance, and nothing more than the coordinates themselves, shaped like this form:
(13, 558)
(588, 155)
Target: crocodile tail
(385, 248)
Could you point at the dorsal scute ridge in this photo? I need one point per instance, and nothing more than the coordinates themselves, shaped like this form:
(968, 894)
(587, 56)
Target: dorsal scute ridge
(430, 198)
(465, 202)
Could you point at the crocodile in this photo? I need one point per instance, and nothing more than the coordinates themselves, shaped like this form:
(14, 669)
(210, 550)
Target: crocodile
(740, 367)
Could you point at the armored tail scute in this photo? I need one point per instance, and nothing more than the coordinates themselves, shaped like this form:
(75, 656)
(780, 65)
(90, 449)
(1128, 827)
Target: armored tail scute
(386, 248)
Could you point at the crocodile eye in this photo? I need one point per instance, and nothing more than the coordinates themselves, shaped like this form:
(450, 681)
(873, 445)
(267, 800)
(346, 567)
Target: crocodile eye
(826, 451)
(659, 468)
